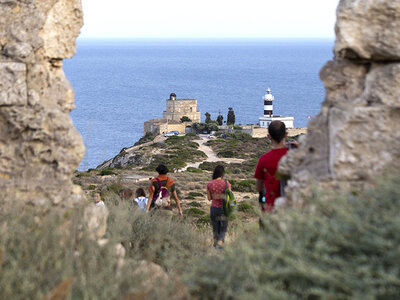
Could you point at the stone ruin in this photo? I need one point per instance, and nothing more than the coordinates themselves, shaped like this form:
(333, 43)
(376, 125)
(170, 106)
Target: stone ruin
(355, 137)
(357, 133)
(39, 146)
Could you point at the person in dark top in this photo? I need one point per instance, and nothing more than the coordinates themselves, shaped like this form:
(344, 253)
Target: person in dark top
(162, 180)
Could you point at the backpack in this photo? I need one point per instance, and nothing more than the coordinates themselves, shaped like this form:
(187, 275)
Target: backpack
(162, 198)
(229, 201)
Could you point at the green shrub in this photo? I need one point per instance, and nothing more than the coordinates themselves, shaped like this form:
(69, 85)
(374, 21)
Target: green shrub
(237, 127)
(233, 216)
(195, 194)
(91, 187)
(185, 119)
(148, 137)
(194, 212)
(204, 220)
(108, 171)
(194, 170)
(241, 136)
(175, 139)
(337, 247)
(210, 166)
(115, 188)
(245, 207)
(82, 174)
(194, 204)
(248, 185)
(228, 154)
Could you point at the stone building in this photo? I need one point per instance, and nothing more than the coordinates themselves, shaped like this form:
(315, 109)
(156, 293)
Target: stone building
(171, 121)
(178, 108)
(160, 126)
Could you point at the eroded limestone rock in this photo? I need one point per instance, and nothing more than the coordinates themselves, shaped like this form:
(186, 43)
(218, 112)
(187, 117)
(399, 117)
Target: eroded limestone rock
(39, 146)
(357, 134)
(368, 30)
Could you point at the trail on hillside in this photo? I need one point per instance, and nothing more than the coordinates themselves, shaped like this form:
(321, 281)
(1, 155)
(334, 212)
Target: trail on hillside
(211, 155)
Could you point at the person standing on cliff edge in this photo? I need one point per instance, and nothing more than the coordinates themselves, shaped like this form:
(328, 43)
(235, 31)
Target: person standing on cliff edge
(268, 164)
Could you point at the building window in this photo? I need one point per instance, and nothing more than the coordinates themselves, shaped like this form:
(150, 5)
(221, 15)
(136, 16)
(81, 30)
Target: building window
(191, 109)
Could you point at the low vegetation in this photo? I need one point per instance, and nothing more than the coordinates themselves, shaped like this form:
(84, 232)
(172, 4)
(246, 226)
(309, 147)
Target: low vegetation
(175, 152)
(194, 212)
(148, 137)
(108, 171)
(245, 207)
(239, 145)
(336, 247)
(248, 185)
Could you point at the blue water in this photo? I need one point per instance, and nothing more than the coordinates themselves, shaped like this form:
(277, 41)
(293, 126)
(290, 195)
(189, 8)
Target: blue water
(119, 84)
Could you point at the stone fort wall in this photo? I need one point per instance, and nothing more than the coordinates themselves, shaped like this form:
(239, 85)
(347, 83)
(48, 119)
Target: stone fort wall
(159, 126)
(178, 108)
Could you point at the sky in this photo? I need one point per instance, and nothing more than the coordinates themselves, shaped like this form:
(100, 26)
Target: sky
(209, 18)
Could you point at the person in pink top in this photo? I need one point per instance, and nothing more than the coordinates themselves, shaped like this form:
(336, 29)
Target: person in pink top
(215, 194)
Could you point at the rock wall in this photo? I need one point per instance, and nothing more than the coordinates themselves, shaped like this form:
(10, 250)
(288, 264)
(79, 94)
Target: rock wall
(357, 133)
(39, 146)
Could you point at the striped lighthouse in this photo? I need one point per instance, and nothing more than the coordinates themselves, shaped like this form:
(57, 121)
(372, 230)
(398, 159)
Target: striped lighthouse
(269, 113)
(268, 106)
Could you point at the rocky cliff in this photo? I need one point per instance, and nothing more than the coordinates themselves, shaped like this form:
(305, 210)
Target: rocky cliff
(39, 146)
(357, 133)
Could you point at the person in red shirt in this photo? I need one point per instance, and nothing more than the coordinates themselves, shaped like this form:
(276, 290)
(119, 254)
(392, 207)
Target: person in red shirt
(268, 164)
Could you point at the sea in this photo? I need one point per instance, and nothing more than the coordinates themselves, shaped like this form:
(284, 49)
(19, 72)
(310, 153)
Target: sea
(120, 84)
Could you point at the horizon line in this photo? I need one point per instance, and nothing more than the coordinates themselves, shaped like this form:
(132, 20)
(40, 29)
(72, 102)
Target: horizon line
(204, 38)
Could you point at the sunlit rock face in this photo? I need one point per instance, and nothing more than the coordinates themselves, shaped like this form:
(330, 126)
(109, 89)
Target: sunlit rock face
(356, 136)
(39, 146)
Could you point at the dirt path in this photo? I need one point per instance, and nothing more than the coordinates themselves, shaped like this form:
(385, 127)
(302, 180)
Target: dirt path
(211, 155)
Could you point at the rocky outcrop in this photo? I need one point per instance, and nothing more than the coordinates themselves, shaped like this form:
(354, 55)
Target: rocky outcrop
(357, 133)
(39, 146)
